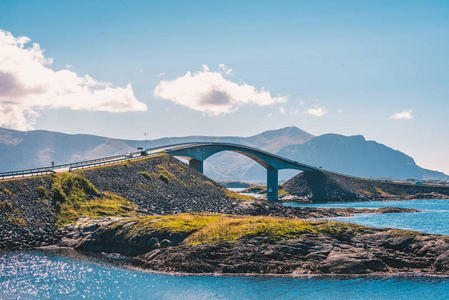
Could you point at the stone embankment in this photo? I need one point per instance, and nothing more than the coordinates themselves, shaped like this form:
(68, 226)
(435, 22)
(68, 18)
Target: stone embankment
(324, 186)
(162, 185)
(27, 217)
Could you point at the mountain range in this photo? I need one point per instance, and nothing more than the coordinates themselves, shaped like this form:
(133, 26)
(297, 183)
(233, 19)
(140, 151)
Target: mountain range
(351, 155)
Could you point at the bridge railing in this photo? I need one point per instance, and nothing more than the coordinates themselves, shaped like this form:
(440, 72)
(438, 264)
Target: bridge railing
(108, 162)
(28, 172)
(51, 169)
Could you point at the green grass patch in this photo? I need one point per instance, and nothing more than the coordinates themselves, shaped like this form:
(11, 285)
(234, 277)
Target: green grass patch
(174, 223)
(282, 192)
(146, 175)
(236, 196)
(256, 189)
(235, 228)
(41, 191)
(364, 192)
(211, 228)
(74, 196)
(163, 177)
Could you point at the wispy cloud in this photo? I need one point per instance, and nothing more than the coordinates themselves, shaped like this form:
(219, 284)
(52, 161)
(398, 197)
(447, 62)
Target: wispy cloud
(405, 114)
(226, 70)
(28, 85)
(316, 110)
(208, 92)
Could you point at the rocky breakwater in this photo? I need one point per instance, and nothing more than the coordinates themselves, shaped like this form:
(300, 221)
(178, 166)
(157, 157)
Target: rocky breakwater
(223, 244)
(162, 185)
(27, 216)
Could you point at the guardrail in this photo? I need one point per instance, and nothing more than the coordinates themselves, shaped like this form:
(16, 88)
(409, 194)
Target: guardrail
(51, 169)
(23, 173)
(108, 162)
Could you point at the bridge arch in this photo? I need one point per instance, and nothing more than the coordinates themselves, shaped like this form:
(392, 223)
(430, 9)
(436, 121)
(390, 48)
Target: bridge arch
(196, 153)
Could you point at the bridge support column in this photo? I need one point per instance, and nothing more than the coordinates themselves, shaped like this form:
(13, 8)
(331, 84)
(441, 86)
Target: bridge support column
(272, 184)
(196, 164)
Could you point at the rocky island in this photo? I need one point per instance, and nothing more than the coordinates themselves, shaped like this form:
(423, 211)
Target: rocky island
(171, 218)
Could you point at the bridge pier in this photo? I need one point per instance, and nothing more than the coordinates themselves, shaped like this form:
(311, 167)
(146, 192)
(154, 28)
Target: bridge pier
(272, 184)
(196, 164)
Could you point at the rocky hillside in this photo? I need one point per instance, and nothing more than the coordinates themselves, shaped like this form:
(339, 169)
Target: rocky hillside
(161, 184)
(327, 186)
(27, 216)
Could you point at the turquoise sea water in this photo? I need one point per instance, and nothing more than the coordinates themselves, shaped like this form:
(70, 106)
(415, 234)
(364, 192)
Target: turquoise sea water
(433, 218)
(41, 275)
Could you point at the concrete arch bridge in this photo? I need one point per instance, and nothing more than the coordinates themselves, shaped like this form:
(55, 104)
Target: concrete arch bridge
(196, 153)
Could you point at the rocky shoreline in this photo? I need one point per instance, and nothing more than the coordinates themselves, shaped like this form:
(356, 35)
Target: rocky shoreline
(339, 250)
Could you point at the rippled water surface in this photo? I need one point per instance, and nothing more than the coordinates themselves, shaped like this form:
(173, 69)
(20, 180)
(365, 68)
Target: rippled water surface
(35, 274)
(433, 218)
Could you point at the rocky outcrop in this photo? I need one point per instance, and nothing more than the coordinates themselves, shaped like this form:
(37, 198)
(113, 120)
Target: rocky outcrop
(27, 217)
(339, 249)
(323, 186)
(374, 251)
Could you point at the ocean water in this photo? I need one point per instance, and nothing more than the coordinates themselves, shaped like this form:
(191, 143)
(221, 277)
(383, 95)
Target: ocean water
(43, 275)
(433, 218)
(39, 275)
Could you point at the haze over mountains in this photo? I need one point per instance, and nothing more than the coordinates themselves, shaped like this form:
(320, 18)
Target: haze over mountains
(351, 155)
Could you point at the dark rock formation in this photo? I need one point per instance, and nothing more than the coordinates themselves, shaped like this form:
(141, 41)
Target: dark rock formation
(375, 251)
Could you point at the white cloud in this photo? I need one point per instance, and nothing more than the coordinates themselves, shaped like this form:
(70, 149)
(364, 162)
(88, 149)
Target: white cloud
(208, 92)
(28, 85)
(270, 115)
(407, 115)
(160, 75)
(316, 111)
(340, 111)
(227, 71)
(282, 110)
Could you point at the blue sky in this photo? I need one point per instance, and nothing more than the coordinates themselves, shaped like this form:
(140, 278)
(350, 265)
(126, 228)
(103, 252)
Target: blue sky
(344, 67)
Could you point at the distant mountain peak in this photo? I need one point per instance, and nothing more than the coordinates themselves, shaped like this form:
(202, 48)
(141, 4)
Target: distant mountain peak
(291, 131)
